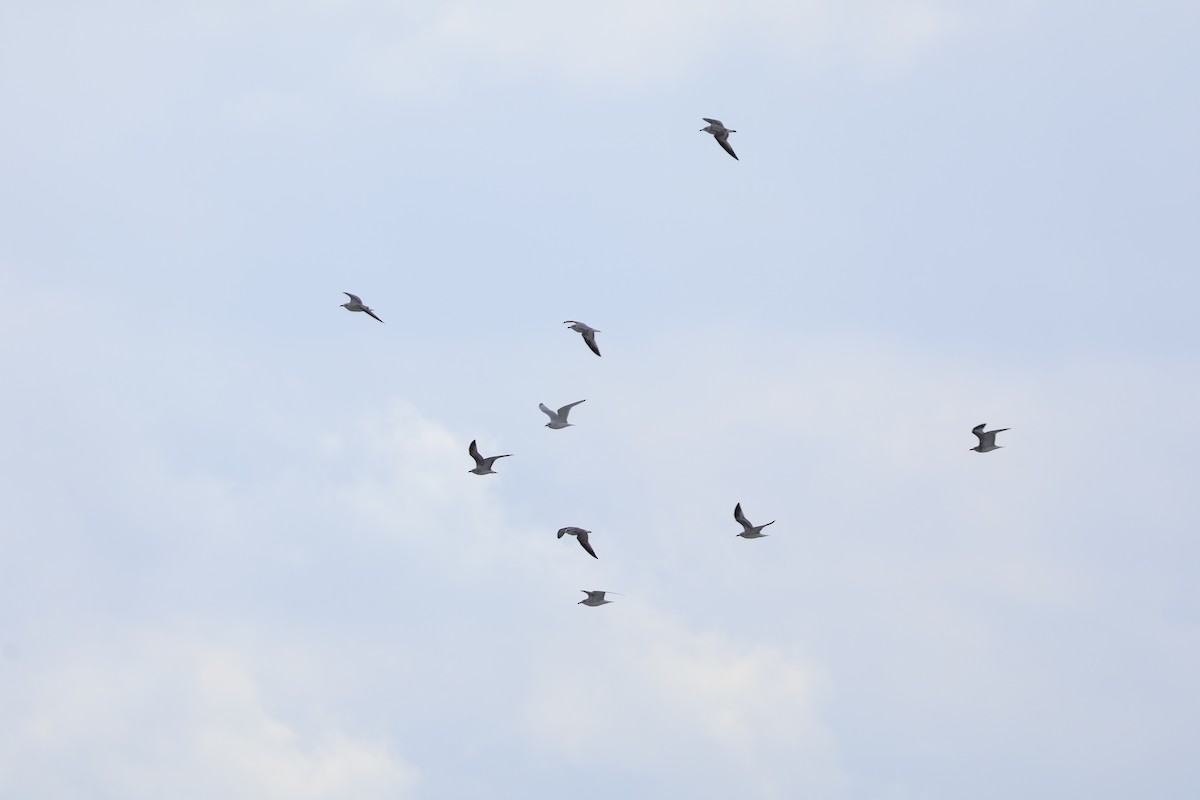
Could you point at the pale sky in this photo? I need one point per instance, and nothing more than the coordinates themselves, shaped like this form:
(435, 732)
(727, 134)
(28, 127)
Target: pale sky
(241, 555)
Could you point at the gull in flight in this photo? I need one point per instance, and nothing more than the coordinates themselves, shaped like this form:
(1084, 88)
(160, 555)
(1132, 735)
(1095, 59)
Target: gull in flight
(721, 133)
(558, 419)
(594, 598)
(751, 531)
(589, 333)
(356, 304)
(582, 536)
(483, 466)
(987, 439)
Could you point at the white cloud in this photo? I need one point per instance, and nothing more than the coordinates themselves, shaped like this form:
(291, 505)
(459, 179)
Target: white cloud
(180, 718)
(642, 691)
(630, 43)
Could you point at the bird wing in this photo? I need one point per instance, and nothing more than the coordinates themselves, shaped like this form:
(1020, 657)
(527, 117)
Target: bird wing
(723, 140)
(548, 412)
(562, 412)
(353, 297)
(473, 451)
(491, 460)
(978, 431)
(741, 518)
(372, 313)
(716, 122)
(988, 439)
(583, 540)
(589, 336)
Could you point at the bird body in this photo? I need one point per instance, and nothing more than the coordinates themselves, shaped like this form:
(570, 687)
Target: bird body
(589, 333)
(581, 535)
(720, 133)
(483, 466)
(987, 439)
(594, 598)
(356, 304)
(749, 531)
(558, 419)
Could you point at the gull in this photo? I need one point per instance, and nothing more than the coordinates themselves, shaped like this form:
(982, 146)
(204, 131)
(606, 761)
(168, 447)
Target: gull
(356, 304)
(751, 531)
(987, 439)
(721, 133)
(589, 333)
(483, 466)
(594, 598)
(558, 419)
(581, 535)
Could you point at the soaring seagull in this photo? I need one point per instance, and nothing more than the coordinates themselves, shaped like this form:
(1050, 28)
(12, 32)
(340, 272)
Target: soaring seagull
(582, 536)
(558, 419)
(751, 531)
(589, 333)
(721, 133)
(483, 466)
(594, 598)
(987, 439)
(356, 304)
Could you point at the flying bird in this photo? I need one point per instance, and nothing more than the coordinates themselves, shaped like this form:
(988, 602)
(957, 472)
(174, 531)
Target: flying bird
(594, 598)
(987, 439)
(589, 333)
(582, 536)
(356, 304)
(483, 466)
(558, 419)
(720, 133)
(751, 531)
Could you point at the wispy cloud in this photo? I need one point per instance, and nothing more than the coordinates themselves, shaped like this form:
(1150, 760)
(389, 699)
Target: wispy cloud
(655, 692)
(161, 715)
(635, 44)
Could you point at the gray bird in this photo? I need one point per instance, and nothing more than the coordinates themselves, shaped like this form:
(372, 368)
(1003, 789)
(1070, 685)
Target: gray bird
(581, 535)
(594, 598)
(558, 419)
(987, 439)
(356, 304)
(589, 333)
(751, 531)
(720, 133)
(483, 466)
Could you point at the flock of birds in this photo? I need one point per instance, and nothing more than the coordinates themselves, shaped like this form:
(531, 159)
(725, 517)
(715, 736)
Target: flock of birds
(558, 419)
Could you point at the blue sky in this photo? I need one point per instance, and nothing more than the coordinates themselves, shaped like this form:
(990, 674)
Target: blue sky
(243, 557)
